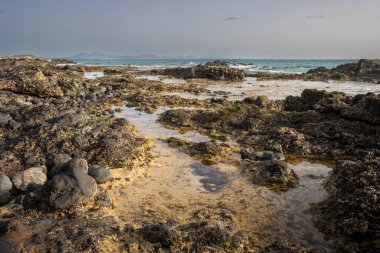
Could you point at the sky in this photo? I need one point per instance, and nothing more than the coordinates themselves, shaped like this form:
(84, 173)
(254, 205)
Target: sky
(260, 29)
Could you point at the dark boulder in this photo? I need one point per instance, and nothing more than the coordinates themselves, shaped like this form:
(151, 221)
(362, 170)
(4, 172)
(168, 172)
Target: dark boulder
(64, 191)
(100, 174)
(366, 108)
(272, 173)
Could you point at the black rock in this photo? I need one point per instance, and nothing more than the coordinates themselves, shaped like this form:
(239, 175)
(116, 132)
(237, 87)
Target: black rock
(5, 197)
(100, 174)
(65, 191)
(274, 173)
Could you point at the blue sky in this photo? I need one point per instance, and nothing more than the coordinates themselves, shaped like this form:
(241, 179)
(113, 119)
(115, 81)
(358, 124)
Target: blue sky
(291, 29)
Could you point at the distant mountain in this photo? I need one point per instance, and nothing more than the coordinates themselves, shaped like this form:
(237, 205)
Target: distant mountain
(100, 56)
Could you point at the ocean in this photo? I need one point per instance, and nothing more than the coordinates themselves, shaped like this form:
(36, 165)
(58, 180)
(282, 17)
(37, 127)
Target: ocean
(251, 65)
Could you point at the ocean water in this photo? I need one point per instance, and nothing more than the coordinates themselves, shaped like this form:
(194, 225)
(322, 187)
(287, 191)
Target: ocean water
(251, 65)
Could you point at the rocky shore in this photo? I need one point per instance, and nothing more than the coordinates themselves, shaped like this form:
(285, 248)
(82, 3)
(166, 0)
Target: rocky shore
(363, 71)
(216, 70)
(60, 144)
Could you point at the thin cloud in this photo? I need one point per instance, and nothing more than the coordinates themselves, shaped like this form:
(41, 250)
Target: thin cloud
(233, 18)
(2, 11)
(317, 16)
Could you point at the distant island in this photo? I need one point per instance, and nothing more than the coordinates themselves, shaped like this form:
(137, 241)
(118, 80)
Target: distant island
(101, 56)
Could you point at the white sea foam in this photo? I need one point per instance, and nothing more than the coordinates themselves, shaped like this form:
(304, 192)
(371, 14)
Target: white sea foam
(93, 75)
(280, 89)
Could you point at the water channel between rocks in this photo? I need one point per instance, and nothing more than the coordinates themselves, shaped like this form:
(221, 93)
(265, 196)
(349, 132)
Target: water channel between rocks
(175, 186)
(277, 89)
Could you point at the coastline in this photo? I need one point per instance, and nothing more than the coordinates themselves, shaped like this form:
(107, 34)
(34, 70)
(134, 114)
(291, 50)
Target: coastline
(76, 131)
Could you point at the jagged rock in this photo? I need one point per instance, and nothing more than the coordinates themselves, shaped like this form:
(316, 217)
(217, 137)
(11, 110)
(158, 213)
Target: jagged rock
(67, 234)
(211, 71)
(264, 102)
(30, 179)
(364, 70)
(276, 173)
(366, 108)
(218, 63)
(160, 233)
(354, 190)
(261, 155)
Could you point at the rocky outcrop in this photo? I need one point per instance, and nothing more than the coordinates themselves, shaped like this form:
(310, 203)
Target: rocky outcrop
(214, 71)
(364, 71)
(276, 174)
(55, 123)
(209, 153)
(41, 83)
(75, 234)
(50, 116)
(201, 235)
(54, 128)
(262, 155)
(320, 124)
(363, 107)
(354, 190)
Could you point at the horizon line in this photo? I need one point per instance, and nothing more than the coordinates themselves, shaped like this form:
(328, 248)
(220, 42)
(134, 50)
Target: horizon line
(136, 57)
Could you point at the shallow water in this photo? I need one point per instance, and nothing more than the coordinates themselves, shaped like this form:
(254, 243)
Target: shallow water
(280, 89)
(250, 65)
(93, 75)
(147, 125)
(162, 79)
(176, 186)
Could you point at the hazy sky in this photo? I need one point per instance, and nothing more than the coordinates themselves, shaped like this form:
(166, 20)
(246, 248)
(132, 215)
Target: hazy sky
(219, 28)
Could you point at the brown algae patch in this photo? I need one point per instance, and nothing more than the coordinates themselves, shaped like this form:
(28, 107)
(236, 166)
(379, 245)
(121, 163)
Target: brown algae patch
(208, 153)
